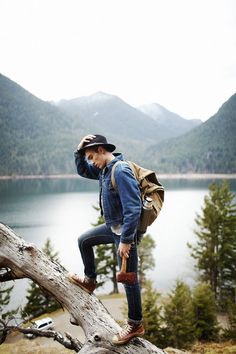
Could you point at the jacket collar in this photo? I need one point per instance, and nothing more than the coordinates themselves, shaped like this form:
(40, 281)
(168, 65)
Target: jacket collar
(118, 156)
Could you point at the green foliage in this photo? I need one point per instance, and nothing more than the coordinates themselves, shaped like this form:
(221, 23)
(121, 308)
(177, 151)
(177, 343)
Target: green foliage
(39, 301)
(49, 251)
(5, 296)
(152, 319)
(230, 332)
(208, 148)
(205, 310)
(215, 251)
(36, 137)
(179, 317)
(146, 259)
(106, 265)
(105, 260)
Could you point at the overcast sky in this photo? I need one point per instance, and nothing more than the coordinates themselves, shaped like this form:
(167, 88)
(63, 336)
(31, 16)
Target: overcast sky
(179, 53)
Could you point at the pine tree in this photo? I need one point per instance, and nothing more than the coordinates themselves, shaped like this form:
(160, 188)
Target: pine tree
(230, 332)
(106, 260)
(39, 301)
(4, 301)
(205, 310)
(49, 251)
(5, 296)
(215, 250)
(106, 265)
(179, 317)
(146, 259)
(152, 319)
(35, 301)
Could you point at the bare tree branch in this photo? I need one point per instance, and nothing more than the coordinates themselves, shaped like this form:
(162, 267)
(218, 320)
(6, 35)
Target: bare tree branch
(67, 341)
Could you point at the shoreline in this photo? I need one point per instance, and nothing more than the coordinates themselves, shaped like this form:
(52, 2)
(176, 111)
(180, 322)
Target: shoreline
(160, 176)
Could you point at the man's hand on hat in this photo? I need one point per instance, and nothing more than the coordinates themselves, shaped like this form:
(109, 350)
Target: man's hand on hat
(85, 139)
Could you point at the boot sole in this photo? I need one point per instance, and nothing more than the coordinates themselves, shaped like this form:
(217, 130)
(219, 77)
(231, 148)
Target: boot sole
(120, 342)
(78, 284)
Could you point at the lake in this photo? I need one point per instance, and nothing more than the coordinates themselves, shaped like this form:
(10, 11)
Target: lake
(62, 209)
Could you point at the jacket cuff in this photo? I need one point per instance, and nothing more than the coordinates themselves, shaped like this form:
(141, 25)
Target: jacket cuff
(127, 240)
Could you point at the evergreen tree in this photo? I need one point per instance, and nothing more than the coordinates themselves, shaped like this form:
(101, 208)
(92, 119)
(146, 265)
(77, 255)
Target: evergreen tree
(4, 301)
(39, 300)
(49, 251)
(179, 317)
(106, 265)
(152, 319)
(230, 332)
(106, 260)
(215, 250)
(5, 296)
(146, 259)
(205, 310)
(35, 301)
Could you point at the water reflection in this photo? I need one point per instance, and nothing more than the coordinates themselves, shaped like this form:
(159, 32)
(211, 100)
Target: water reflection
(17, 187)
(200, 184)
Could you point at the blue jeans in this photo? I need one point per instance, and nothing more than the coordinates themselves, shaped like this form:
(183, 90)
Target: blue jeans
(102, 234)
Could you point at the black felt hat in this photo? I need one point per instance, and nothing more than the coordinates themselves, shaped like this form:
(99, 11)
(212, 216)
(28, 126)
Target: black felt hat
(98, 140)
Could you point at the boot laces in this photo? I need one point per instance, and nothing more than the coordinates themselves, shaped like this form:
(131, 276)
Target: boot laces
(126, 330)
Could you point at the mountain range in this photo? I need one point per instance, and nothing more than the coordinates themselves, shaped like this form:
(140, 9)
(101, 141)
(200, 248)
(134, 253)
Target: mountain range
(128, 127)
(171, 123)
(103, 111)
(210, 147)
(39, 137)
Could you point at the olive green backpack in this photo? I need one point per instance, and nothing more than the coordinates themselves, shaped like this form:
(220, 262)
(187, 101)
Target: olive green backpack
(148, 184)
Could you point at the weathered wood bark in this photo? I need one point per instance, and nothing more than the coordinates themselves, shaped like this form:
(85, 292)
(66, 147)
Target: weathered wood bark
(67, 341)
(25, 260)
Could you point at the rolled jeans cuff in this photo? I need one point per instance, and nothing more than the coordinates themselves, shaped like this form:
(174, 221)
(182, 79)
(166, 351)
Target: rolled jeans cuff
(136, 322)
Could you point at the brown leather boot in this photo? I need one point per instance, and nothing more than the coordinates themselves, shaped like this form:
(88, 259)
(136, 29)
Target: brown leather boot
(86, 284)
(128, 331)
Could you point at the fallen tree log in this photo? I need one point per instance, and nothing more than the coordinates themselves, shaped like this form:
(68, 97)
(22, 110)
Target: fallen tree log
(25, 260)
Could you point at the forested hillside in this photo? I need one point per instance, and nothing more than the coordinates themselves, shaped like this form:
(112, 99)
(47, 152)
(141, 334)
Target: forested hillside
(36, 137)
(210, 147)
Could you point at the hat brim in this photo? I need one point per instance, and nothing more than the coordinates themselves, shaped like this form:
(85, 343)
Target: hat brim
(109, 147)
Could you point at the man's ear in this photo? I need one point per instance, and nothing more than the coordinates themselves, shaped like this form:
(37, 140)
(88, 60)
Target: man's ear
(101, 150)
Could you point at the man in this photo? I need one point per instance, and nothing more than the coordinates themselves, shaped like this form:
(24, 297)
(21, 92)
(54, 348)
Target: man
(94, 159)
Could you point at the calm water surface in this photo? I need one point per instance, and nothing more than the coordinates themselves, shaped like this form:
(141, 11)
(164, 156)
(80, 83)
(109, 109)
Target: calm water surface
(62, 209)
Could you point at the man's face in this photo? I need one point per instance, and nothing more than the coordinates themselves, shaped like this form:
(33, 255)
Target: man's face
(98, 159)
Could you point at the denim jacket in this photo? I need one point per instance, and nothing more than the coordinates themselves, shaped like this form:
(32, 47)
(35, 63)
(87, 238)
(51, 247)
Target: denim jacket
(123, 207)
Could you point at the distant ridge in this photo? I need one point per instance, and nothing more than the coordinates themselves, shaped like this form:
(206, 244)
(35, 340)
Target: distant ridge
(209, 148)
(122, 122)
(38, 137)
(176, 124)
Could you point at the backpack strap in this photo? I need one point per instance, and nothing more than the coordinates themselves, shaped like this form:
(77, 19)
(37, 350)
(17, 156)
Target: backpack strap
(113, 181)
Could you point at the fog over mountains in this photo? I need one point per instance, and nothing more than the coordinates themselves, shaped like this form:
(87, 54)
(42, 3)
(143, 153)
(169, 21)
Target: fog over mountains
(170, 122)
(39, 137)
(104, 111)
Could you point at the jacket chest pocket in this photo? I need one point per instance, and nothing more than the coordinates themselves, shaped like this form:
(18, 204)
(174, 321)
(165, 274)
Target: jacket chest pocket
(107, 185)
(109, 193)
